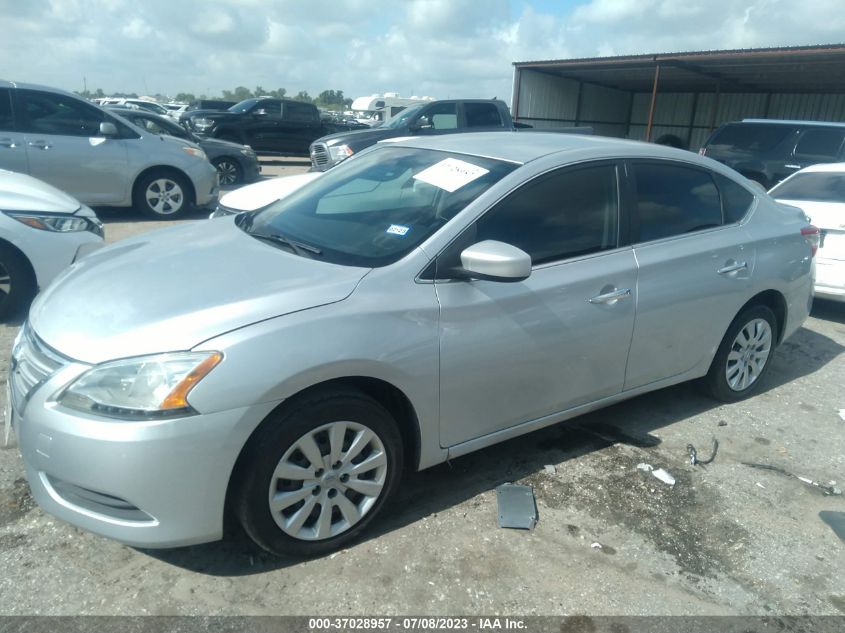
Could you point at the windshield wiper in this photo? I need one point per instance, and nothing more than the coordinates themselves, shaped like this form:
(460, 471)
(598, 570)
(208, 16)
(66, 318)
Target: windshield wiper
(291, 244)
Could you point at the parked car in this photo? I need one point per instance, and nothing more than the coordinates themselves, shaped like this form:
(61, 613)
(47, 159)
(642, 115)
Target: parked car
(175, 110)
(258, 195)
(769, 150)
(235, 163)
(279, 126)
(426, 118)
(210, 104)
(420, 301)
(98, 157)
(42, 232)
(135, 104)
(819, 191)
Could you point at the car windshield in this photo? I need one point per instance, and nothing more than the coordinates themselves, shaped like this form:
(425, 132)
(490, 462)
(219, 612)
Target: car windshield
(402, 117)
(812, 186)
(244, 105)
(749, 137)
(374, 209)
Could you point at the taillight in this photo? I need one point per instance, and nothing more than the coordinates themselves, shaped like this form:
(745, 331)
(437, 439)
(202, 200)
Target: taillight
(812, 235)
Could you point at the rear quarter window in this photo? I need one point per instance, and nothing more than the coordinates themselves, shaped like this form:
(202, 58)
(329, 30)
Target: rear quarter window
(736, 199)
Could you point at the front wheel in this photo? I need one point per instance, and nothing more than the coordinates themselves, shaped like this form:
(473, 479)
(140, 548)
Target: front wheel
(17, 282)
(744, 356)
(163, 195)
(228, 170)
(317, 473)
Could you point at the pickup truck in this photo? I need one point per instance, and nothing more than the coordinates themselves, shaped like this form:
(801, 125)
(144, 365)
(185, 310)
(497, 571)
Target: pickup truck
(431, 117)
(277, 126)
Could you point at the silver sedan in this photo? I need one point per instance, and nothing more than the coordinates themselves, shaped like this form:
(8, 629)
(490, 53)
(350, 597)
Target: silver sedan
(422, 300)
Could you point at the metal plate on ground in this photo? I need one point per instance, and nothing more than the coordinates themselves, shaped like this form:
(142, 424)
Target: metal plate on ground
(516, 506)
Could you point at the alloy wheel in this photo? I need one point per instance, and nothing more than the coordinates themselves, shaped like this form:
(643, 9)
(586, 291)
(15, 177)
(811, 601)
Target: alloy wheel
(228, 172)
(328, 480)
(749, 354)
(164, 196)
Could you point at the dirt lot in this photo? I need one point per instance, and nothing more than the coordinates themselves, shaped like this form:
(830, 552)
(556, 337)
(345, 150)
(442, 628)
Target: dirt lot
(725, 539)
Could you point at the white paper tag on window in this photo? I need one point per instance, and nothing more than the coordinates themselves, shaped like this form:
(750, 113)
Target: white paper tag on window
(451, 174)
(396, 229)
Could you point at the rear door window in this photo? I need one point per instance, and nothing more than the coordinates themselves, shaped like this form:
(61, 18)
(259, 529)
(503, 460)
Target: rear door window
(482, 115)
(443, 116)
(299, 112)
(672, 200)
(819, 145)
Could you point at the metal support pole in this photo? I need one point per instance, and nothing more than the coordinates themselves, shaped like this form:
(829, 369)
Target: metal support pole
(715, 107)
(653, 102)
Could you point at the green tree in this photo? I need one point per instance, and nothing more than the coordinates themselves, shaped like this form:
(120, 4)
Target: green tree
(185, 97)
(303, 96)
(279, 93)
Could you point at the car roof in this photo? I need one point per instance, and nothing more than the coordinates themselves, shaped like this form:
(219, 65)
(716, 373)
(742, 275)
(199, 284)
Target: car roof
(524, 146)
(27, 86)
(825, 167)
(790, 122)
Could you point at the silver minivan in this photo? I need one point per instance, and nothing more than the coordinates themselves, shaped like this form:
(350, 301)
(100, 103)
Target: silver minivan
(422, 300)
(100, 158)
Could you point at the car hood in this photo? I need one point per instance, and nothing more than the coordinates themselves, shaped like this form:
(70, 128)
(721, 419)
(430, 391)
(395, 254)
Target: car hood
(215, 144)
(172, 289)
(825, 215)
(19, 192)
(260, 194)
(357, 138)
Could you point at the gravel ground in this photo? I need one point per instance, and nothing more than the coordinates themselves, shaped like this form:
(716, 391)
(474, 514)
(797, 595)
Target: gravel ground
(725, 539)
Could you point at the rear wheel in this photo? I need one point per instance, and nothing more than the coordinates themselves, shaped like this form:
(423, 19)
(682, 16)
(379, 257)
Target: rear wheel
(317, 473)
(163, 194)
(744, 356)
(17, 282)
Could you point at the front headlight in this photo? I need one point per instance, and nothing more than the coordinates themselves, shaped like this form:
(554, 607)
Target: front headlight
(339, 152)
(141, 388)
(55, 222)
(194, 151)
(202, 124)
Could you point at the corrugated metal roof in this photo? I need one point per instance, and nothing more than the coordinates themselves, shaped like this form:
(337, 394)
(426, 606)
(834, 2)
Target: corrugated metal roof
(805, 69)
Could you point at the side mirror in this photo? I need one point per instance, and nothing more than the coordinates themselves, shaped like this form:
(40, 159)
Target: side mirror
(495, 261)
(108, 129)
(422, 123)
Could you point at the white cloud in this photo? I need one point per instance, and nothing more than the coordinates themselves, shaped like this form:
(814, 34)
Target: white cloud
(435, 47)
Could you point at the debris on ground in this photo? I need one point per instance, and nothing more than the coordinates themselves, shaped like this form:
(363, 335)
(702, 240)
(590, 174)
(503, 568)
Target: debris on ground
(828, 489)
(842, 413)
(596, 545)
(550, 469)
(836, 521)
(723, 423)
(661, 474)
(693, 454)
(517, 508)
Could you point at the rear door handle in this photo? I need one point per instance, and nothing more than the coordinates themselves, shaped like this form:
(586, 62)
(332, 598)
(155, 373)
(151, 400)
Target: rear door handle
(40, 144)
(611, 297)
(8, 142)
(732, 268)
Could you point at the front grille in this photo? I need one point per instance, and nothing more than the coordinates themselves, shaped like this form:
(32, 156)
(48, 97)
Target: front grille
(319, 154)
(33, 362)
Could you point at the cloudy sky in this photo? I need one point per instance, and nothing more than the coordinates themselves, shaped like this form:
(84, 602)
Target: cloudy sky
(442, 48)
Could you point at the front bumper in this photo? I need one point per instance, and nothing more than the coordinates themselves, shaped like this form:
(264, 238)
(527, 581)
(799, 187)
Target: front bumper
(206, 184)
(156, 483)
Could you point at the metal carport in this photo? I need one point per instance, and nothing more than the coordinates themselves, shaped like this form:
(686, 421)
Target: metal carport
(685, 95)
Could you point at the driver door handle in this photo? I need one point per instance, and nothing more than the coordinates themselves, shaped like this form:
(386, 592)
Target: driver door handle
(611, 297)
(40, 144)
(732, 268)
(8, 142)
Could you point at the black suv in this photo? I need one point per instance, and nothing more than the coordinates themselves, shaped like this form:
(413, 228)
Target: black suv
(768, 150)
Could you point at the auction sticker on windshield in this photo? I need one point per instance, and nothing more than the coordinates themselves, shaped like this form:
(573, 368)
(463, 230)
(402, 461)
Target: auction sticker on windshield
(451, 174)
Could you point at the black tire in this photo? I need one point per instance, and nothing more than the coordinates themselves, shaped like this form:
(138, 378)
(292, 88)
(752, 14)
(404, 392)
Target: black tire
(716, 382)
(17, 282)
(229, 171)
(277, 436)
(173, 184)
